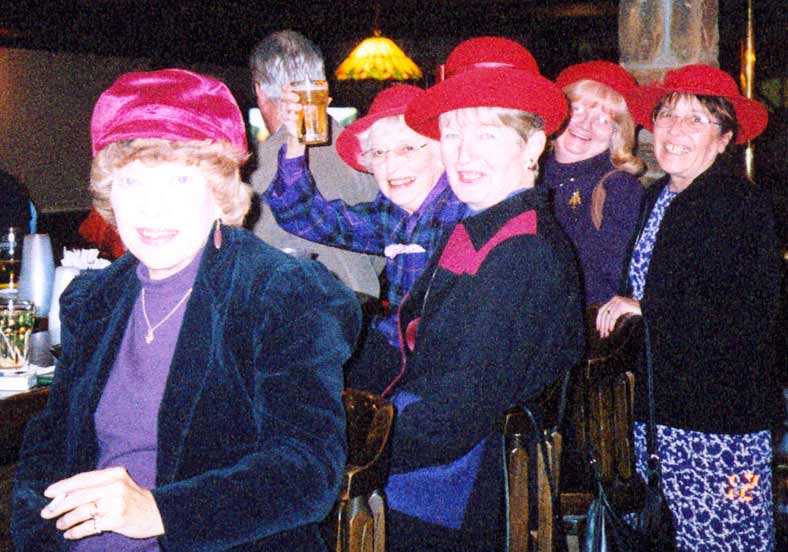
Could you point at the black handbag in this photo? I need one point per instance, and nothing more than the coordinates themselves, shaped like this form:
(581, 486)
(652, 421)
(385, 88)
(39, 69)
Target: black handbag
(650, 526)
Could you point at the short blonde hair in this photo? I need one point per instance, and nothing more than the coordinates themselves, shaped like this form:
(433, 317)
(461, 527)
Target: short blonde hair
(219, 161)
(623, 141)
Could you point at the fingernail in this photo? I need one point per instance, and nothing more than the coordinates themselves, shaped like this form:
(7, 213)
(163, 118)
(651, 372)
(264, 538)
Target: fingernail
(55, 503)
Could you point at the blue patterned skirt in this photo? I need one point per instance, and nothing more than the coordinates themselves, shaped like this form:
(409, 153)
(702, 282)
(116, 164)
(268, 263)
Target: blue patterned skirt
(718, 486)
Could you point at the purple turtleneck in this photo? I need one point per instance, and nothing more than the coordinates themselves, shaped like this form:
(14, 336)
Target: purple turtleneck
(127, 415)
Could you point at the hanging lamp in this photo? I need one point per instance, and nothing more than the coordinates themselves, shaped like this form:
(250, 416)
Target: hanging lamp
(377, 58)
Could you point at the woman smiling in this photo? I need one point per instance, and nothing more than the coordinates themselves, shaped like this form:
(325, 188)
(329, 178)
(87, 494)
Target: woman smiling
(197, 404)
(705, 275)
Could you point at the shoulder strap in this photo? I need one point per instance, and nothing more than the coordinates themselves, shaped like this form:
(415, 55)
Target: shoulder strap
(598, 196)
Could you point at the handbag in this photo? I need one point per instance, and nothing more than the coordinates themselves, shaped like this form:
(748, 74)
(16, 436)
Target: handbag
(649, 524)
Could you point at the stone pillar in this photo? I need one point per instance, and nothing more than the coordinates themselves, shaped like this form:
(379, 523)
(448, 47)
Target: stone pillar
(655, 36)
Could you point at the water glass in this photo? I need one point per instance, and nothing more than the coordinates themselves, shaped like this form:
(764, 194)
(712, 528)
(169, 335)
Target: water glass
(38, 272)
(17, 317)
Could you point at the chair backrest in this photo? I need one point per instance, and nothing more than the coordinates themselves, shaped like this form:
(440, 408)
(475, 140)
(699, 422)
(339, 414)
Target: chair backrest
(533, 457)
(601, 413)
(360, 510)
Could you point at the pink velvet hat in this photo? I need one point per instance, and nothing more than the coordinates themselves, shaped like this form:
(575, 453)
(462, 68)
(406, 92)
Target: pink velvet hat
(488, 72)
(704, 80)
(170, 104)
(388, 103)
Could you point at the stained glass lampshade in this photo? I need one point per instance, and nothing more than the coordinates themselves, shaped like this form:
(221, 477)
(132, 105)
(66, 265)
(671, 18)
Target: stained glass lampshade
(378, 58)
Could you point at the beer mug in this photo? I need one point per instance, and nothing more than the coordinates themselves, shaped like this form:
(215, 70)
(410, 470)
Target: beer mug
(313, 118)
(10, 257)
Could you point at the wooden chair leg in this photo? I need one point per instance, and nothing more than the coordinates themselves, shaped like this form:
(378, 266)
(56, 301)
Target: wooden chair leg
(377, 505)
(360, 526)
(518, 500)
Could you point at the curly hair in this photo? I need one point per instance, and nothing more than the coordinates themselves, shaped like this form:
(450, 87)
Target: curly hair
(622, 143)
(219, 161)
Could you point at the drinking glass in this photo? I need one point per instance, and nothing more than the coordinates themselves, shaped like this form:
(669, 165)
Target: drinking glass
(313, 118)
(17, 317)
(10, 257)
(38, 272)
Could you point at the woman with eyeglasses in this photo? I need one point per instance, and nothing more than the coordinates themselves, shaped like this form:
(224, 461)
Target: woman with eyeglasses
(591, 173)
(404, 223)
(705, 275)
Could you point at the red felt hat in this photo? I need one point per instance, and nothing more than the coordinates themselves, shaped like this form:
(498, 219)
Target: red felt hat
(511, 80)
(490, 52)
(606, 72)
(388, 103)
(170, 104)
(703, 80)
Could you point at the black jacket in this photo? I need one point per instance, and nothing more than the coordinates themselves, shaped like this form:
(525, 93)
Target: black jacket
(711, 299)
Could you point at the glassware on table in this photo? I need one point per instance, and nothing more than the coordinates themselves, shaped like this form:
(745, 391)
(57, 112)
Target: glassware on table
(313, 118)
(17, 317)
(10, 257)
(38, 272)
(63, 276)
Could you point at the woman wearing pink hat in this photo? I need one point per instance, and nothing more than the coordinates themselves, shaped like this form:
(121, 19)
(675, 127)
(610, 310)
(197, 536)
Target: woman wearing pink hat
(197, 404)
(591, 173)
(705, 275)
(496, 315)
(404, 223)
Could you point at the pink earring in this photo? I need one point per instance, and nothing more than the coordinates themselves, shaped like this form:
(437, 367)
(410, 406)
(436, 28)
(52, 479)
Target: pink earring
(217, 235)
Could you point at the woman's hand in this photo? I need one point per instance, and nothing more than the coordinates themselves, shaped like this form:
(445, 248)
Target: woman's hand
(289, 113)
(103, 500)
(610, 312)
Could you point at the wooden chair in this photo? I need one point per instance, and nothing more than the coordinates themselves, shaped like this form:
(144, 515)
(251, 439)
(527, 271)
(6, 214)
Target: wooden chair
(531, 454)
(600, 412)
(360, 511)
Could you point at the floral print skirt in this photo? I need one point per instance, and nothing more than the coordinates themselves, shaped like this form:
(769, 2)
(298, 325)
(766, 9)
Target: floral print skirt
(718, 486)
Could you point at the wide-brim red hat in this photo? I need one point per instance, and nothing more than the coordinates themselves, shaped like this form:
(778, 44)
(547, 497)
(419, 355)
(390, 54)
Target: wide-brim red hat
(605, 72)
(169, 104)
(488, 87)
(703, 80)
(388, 103)
(488, 71)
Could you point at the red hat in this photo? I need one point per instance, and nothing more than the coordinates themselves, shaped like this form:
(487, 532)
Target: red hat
(171, 104)
(485, 79)
(605, 72)
(704, 80)
(388, 103)
(487, 51)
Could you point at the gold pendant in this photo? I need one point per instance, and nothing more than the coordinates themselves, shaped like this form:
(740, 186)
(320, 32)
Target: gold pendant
(574, 201)
(149, 337)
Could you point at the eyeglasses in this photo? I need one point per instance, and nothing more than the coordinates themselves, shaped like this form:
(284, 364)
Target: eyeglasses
(599, 121)
(377, 156)
(694, 122)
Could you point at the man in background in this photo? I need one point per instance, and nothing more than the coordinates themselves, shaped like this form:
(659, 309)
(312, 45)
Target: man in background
(279, 59)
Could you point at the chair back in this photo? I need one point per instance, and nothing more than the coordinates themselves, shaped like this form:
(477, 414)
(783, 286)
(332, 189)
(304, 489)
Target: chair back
(601, 414)
(533, 457)
(360, 510)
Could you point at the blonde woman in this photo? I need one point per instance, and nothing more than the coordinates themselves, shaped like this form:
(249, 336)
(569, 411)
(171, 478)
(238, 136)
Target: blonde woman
(592, 171)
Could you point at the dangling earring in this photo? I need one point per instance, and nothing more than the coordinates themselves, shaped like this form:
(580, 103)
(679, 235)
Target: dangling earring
(217, 235)
(530, 165)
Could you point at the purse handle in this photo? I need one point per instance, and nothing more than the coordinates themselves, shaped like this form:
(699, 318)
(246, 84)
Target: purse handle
(654, 468)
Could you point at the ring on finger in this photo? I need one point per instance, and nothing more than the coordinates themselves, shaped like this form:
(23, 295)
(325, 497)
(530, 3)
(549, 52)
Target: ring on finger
(96, 528)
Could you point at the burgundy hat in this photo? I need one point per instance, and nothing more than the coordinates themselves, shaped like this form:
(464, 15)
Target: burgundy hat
(388, 103)
(511, 80)
(170, 104)
(704, 80)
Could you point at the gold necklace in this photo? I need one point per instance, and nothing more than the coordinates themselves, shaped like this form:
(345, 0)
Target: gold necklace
(149, 337)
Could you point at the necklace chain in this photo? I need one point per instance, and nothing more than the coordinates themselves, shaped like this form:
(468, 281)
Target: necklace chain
(149, 336)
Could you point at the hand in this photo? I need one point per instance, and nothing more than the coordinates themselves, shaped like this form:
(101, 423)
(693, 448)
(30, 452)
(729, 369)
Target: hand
(103, 500)
(610, 312)
(289, 113)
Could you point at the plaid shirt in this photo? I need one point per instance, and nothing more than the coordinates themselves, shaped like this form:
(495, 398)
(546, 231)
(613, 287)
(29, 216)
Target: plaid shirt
(378, 227)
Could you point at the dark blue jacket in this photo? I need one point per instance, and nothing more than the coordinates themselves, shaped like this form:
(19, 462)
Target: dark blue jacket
(251, 426)
(485, 340)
